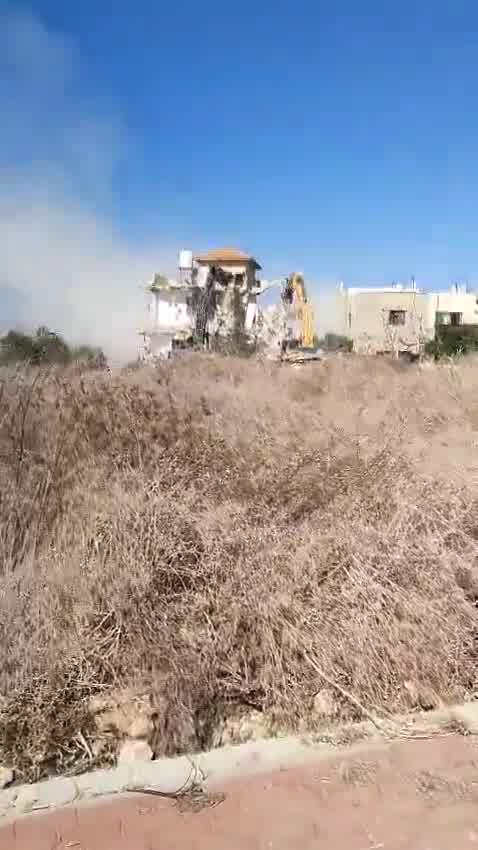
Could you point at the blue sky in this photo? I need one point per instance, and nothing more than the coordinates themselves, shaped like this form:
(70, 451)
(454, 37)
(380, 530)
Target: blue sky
(341, 139)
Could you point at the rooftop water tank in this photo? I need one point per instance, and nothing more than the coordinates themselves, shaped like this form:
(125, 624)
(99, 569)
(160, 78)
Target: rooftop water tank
(185, 260)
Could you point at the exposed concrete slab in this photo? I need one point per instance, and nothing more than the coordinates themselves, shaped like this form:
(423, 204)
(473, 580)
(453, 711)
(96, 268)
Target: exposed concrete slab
(46, 795)
(165, 774)
(100, 783)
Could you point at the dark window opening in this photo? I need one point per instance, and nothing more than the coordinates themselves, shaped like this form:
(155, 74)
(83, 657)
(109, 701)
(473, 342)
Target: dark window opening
(456, 319)
(396, 317)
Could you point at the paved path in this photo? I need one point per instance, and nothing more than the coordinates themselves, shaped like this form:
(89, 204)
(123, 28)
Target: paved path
(410, 795)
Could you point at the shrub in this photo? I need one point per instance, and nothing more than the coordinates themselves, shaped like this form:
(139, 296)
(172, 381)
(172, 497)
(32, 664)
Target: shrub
(453, 340)
(335, 342)
(217, 531)
(46, 348)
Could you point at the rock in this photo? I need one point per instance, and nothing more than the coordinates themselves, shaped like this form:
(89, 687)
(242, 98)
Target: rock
(113, 721)
(324, 706)
(7, 775)
(135, 750)
(141, 727)
(412, 691)
(123, 713)
(422, 696)
(7, 800)
(98, 747)
(466, 715)
(243, 726)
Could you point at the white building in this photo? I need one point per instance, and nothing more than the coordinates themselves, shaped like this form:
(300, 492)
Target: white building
(237, 303)
(173, 304)
(170, 318)
(400, 318)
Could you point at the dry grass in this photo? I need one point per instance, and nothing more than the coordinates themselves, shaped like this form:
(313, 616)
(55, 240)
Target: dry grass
(205, 530)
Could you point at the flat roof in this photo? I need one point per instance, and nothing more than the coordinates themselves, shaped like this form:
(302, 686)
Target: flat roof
(358, 290)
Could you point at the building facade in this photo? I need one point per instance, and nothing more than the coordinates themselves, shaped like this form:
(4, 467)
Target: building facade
(400, 318)
(225, 278)
(236, 301)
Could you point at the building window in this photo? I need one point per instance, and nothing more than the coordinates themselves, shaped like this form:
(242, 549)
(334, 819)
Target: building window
(396, 317)
(454, 319)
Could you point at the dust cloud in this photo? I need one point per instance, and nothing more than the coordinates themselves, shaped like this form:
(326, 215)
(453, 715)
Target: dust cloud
(61, 262)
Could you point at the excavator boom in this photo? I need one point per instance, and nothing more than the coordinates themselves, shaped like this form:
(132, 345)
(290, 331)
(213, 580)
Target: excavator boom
(303, 309)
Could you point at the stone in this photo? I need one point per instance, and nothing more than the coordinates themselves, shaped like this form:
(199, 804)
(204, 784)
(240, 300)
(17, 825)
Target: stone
(165, 774)
(467, 716)
(324, 705)
(7, 775)
(141, 727)
(135, 750)
(421, 696)
(123, 713)
(243, 726)
(7, 800)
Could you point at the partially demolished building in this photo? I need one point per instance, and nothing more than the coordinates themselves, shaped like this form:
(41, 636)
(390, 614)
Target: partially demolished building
(215, 301)
(214, 297)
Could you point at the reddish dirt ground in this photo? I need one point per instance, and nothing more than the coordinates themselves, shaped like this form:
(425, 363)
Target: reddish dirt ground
(421, 795)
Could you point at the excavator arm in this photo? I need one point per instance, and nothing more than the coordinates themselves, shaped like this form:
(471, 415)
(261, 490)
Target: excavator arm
(304, 310)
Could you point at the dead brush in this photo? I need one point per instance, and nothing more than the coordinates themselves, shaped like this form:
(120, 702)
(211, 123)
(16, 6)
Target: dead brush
(219, 532)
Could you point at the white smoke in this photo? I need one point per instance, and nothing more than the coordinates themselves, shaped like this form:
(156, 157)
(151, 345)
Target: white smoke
(327, 314)
(61, 263)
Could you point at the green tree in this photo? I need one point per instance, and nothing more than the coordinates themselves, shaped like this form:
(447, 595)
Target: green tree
(334, 342)
(16, 347)
(47, 347)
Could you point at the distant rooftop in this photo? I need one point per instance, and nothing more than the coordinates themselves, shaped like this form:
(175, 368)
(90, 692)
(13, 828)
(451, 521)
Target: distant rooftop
(356, 290)
(226, 256)
(404, 288)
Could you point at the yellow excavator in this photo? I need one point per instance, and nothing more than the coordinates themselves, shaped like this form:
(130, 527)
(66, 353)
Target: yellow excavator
(300, 331)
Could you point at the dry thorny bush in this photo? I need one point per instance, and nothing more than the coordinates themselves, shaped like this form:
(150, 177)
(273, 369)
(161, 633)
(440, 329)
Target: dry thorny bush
(219, 531)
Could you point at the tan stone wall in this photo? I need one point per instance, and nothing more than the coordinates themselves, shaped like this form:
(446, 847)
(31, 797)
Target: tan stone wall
(367, 319)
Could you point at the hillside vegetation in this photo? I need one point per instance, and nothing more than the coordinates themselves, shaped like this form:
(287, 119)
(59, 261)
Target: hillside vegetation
(219, 531)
